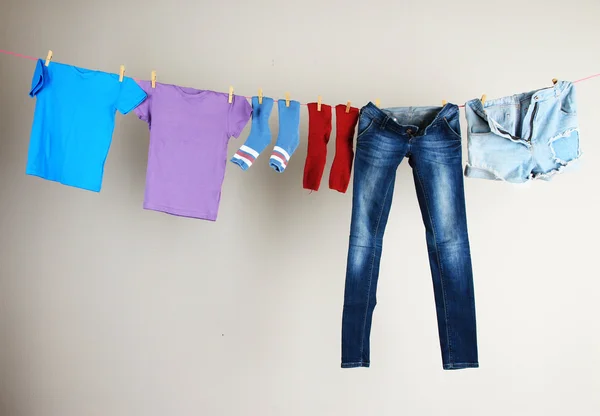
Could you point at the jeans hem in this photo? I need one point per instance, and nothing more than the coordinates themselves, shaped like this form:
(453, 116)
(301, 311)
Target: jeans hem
(459, 366)
(356, 364)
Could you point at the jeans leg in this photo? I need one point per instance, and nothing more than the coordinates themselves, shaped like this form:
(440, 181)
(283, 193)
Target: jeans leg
(373, 188)
(437, 172)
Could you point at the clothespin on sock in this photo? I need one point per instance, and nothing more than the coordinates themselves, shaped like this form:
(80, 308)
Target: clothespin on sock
(153, 79)
(121, 73)
(48, 58)
(230, 95)
(348, 104)
(287, 99)
(319, 103)
(483, 98)
(260, 95)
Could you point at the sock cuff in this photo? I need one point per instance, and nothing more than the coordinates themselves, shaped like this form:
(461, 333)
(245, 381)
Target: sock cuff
(244, 157)
(279, 159)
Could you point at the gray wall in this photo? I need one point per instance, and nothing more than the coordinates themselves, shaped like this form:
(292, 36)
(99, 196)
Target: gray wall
(107, 309)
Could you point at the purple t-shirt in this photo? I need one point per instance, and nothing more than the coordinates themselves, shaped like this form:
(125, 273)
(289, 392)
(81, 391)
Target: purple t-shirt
(189, 132)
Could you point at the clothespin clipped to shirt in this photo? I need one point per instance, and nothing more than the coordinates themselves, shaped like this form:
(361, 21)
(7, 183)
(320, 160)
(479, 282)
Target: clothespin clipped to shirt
(121, 73)
(554, 81)
(378, 103)
(483, 98)
(319, 103)
(444, 102)
(348, 104)
(153, 78)
(48, 58)
(230, 95)
(287, 99)
(260, 95)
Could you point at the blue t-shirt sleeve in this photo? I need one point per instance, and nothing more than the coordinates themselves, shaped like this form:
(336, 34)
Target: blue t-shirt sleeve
(130, 95)
(39, 76)
(144, 110)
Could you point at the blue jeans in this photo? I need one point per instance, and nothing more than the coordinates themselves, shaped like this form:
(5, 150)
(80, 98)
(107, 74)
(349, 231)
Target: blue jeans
(429, 137)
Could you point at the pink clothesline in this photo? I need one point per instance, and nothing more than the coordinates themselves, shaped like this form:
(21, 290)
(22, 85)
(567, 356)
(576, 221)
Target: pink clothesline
(18, 55)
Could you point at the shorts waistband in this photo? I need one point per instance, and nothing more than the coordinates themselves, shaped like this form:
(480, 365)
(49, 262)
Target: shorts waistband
(550, 93)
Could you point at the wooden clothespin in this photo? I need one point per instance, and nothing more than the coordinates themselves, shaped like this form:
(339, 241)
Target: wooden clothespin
(554, 81)
(319, 103)
(483, 98)
(287, 99)
(444, 102)
(260, 95)
(230, 95)
(348, 104)
(153, 78)
(378, 102)
(48, 58)
(121, 73)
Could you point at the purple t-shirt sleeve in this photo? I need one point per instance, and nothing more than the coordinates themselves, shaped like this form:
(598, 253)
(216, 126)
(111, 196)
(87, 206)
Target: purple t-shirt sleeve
(239, 114)
(130, 96)
(144, 110)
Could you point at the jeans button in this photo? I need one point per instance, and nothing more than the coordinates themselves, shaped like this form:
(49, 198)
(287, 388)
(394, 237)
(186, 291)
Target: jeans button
(409, 132)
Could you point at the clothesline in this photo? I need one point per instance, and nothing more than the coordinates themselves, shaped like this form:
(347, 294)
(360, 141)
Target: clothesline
(19, 55)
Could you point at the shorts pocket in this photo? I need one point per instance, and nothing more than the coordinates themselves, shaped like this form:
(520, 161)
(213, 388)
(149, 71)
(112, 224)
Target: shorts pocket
(565, 146)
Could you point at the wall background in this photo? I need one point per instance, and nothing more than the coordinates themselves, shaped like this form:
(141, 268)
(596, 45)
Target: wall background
(107, 309)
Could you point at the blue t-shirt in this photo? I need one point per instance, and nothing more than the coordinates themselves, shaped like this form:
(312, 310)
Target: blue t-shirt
(74, 121)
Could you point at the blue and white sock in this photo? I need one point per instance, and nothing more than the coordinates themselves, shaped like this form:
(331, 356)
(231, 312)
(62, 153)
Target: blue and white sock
(260, 134)
(289, 135)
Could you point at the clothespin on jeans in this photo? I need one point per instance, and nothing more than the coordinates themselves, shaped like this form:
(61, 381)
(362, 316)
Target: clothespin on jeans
(378, 103)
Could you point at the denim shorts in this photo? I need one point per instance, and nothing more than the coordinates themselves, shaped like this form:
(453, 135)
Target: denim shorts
(526, 136)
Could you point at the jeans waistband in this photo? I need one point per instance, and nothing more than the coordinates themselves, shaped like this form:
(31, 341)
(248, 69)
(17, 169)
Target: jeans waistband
(550, 93)
(386, 120)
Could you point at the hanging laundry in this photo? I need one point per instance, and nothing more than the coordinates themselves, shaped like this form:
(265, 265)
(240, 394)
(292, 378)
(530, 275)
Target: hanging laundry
(526, 136)
(74, 121)
(345, 125)
(289, 135)
(429, 137)
(189, 132)
(260, 134)
(319, 131)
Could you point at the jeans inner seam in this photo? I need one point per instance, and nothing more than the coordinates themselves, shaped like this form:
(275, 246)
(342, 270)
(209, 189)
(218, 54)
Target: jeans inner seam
(437, 252)
(362, 341)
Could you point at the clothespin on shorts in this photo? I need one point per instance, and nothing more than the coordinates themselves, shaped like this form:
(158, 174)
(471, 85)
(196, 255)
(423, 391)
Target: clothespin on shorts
(348, 104)
(230, 95)
(153, 78)
(319, 103)
(121, 73)
(48, 58)
(260, 95)
(287, 99)
(554, 81)
(483, 98)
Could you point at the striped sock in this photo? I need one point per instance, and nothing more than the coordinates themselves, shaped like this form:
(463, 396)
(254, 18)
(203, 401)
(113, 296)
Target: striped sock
(289, 135)
(260, 134)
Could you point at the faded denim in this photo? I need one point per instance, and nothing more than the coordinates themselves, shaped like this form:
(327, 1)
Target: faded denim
(429, 137)
(526, 136)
